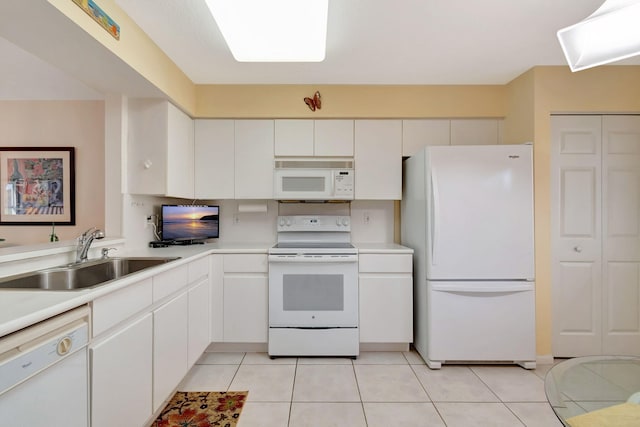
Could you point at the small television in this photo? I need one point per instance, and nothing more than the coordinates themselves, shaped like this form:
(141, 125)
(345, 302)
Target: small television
(189, 223)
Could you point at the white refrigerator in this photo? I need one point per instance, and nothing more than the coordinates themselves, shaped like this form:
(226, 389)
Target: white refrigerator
(467, 211)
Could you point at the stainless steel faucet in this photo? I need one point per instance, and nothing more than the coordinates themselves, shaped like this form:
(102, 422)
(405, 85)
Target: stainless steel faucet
(84, 242)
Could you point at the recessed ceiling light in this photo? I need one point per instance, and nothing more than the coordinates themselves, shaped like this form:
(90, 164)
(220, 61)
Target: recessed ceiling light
(273, 30)
(610, 34)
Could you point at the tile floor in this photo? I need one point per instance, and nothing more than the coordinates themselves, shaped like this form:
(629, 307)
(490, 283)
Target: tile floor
(379, 389)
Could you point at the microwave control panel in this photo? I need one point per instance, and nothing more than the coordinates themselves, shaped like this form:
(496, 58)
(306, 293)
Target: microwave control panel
(343, 182)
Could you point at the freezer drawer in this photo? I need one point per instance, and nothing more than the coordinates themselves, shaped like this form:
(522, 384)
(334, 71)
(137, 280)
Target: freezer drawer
(480, 321)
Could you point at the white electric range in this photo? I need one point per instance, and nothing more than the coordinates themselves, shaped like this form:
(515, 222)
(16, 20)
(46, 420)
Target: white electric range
(313, 288)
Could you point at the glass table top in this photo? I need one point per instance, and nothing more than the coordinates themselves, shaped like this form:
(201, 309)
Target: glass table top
(584, 385)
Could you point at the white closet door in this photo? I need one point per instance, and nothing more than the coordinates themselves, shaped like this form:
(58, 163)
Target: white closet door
(576, 235)
(621, 233)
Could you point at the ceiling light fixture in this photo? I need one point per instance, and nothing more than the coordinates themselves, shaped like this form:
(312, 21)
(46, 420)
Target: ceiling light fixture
(610, 34)
(273, 31)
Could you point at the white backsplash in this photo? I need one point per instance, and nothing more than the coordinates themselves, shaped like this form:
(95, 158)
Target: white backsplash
(371, 221)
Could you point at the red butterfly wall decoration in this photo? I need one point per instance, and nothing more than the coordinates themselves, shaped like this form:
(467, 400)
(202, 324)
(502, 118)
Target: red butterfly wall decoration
(314, 103)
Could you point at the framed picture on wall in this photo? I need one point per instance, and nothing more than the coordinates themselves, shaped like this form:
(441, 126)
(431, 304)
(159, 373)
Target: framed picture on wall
(38, 186)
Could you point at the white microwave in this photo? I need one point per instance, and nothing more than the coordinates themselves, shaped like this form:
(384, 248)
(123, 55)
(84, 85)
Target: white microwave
(313, 179)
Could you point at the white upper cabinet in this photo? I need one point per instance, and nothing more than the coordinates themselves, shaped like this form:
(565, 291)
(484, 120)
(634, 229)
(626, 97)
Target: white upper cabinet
(475, 131)
(323, 138)
(254, 159)
(214, 162)
(293, 138)
(160, 149)
(333, 138)
(378, 159)
(419, 133)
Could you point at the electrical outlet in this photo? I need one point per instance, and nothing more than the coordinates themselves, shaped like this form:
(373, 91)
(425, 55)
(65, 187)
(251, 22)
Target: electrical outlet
(149, 220)
(366, 218)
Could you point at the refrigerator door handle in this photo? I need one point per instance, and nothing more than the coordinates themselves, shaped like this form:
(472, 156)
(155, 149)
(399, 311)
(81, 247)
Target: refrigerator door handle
(435, 204)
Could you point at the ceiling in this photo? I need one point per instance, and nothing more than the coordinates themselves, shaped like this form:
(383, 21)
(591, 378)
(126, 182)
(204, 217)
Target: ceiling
(379, 41)
(431, 42)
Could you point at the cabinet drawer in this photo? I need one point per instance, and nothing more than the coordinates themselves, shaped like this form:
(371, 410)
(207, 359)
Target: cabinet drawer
(198, 269)
(113, 308)
(245, 263)
(166, 283)
(385, 263)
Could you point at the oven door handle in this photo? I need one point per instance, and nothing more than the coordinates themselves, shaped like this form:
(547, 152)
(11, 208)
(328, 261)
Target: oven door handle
(313, 259)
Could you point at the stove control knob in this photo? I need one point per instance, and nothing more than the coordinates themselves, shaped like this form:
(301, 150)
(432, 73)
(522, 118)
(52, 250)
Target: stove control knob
(288, 221)
(281, 222)
(345, 221)
(338, 222)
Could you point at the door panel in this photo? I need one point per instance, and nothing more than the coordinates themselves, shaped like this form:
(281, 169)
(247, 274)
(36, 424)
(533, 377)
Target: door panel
(596, 235)
(621, 232)
(576, 235)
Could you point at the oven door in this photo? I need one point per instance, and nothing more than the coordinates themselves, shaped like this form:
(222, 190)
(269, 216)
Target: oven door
(313, 291)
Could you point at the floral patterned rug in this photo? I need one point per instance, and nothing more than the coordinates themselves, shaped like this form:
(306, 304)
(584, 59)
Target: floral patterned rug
(202, 409)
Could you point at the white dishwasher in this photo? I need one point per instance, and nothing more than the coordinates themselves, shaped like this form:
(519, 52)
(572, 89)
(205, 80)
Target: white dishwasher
(44, 373)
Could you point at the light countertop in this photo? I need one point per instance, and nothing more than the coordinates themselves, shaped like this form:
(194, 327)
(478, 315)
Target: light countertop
(20, 308)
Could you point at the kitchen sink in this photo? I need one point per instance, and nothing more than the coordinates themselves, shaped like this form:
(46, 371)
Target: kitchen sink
(80, 276)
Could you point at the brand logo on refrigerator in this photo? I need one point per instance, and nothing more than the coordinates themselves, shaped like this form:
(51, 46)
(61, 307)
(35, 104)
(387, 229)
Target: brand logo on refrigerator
(513, 156)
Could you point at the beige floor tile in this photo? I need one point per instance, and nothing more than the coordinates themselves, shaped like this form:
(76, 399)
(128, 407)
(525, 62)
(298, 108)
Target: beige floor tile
(380, 358)
(327, 415)
(266, 383)
(535, 414)
(402, 414)
(220, 359)
(512, 383)
(264, 359)
(389, 383)
(453, 384)
(325, 383)
(477, 415)
(209, 378)
(264, 414)
(413, 357)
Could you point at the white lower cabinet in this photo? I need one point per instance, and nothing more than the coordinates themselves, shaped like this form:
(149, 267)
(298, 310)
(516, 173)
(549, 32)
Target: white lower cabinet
(121, 376)
(246, 309)
(170, 340)
(198, 321)
(146, 337)
(386, 298)
(245, 300)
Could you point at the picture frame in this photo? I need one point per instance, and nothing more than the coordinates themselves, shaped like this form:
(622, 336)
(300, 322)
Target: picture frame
(38, 186)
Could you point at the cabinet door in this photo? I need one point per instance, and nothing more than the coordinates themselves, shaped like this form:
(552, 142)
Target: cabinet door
(293, 138)
(420, 133)
(214, 159)
(179, 154)
(386, 308)
(121, 377)
(198, 321)
(245, 308)
(254, 159)
(333, 138)
(216, 276)
(147, 147)
(378, 159)
(170, 339)
(475, 131)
